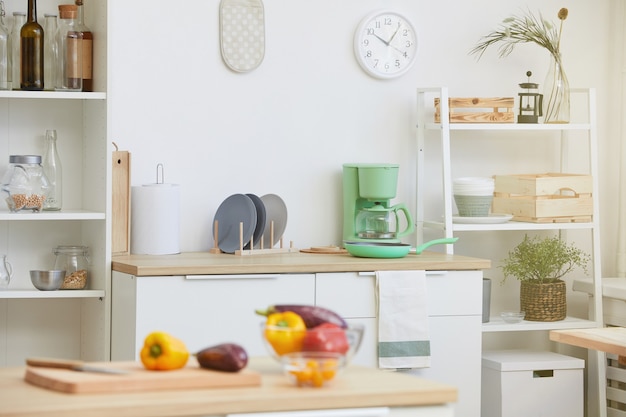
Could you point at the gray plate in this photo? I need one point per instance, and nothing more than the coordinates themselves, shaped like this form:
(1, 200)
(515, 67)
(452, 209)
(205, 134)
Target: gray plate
(260, 220)
(276, 211)
(235, 209)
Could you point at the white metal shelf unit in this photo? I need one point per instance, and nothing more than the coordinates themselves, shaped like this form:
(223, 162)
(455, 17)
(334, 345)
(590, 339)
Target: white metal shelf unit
(448, 227)
(446, 128)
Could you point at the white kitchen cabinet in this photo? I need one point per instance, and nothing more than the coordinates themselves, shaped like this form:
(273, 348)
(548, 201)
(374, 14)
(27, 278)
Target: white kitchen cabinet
(71, 323)
(208, 309)
(570, 144)
(202, 310)
(455, 318)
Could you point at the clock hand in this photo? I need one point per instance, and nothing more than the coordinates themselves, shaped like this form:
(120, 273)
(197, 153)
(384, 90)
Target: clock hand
(381, 39)
(394, 34)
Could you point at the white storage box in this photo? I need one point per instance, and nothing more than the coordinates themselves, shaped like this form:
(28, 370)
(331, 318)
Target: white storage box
(522, 383)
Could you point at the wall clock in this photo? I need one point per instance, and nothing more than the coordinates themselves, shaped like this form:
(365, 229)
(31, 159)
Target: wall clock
(385, 44)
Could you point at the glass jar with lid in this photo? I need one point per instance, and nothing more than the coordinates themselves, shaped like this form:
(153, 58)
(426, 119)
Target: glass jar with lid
(74, 260)
(25, 183)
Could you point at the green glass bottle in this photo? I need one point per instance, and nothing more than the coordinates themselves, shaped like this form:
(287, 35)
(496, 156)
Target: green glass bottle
(31, 44)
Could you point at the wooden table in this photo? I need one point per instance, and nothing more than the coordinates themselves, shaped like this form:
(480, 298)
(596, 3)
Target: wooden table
(357, 387)
(604, 339)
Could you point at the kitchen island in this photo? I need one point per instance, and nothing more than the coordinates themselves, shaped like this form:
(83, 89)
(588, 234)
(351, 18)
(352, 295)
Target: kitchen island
(208, 298)
(356, 388)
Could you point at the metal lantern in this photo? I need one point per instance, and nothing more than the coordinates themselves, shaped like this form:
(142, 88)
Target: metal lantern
(530, 102)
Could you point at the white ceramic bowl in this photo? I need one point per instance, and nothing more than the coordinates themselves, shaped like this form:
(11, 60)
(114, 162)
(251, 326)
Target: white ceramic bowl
(477, 186)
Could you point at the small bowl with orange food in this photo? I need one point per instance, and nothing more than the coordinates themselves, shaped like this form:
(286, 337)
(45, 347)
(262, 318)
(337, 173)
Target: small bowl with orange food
(312, 369)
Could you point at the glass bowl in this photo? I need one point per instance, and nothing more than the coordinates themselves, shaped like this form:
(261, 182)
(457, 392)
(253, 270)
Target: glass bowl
(280, 341)
(312, 369)
(512, 316)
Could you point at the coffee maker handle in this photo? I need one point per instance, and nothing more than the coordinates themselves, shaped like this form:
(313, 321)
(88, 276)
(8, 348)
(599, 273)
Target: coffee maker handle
(410, 226)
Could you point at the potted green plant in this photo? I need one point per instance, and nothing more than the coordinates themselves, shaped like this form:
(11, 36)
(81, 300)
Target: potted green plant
(539, 263)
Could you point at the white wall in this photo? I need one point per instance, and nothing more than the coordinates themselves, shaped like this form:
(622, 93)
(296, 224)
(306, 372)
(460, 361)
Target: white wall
(288, 126)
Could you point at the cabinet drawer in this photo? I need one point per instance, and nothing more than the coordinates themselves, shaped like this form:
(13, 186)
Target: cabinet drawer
(353, 295)
(201, 310)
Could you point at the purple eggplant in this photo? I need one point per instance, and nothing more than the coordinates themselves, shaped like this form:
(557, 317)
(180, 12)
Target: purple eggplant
(311, 315)
(228, 357)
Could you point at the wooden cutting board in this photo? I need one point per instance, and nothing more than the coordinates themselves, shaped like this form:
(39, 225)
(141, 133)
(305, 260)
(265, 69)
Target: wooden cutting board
(138, 378)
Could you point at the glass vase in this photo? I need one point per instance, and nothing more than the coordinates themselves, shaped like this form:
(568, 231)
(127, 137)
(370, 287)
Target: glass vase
(556, 97)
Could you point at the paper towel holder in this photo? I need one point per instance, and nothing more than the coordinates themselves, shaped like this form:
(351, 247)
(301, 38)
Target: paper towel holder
(161, 170)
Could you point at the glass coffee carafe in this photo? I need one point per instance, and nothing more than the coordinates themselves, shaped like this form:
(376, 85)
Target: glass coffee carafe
(380, 222)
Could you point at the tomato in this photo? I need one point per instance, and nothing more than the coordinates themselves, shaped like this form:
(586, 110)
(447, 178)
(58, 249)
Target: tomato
(326, 337)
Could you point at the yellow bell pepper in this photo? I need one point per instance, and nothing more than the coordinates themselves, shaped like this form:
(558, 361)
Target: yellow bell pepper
(161, 352)
(285, 332)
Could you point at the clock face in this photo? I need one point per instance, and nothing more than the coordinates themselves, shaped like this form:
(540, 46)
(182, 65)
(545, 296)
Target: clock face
(385, 44)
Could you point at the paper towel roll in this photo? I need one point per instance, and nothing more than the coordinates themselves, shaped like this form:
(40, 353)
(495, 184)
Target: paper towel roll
(155, 219)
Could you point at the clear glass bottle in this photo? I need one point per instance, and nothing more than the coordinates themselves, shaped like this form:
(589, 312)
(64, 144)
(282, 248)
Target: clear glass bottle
(19, 18)
(69, 45)
(74, 260)
(49, 50)
(31, 51)
(5, 52)
(87, 47)
(25, 183)
(51, 164)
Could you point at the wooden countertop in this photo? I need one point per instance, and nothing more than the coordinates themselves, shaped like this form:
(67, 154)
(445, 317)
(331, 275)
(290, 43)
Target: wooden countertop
(605, 339)
(201, 263)
(355, 387)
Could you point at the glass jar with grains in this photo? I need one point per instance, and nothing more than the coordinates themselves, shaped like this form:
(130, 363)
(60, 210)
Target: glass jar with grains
(25, 183)
(75, 261)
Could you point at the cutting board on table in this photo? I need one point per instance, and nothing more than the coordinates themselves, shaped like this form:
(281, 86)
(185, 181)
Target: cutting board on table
(137, 378)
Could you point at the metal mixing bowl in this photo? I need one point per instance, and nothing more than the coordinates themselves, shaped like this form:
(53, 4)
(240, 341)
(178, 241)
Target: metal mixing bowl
(47, 280)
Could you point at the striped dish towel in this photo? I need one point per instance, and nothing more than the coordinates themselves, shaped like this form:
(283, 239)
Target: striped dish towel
(403, 334)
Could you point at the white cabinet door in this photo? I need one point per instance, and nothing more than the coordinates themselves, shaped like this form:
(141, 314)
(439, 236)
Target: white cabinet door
(200, 310)
(455, 324)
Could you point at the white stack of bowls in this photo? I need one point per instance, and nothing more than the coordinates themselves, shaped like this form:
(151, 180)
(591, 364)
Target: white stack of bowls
(473, 195)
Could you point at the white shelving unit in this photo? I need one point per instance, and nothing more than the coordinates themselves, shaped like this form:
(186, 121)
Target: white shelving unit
(442, 132)
(65, 323)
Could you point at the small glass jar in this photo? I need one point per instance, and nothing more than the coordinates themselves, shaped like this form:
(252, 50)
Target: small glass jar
(74, 260)
(25, 183)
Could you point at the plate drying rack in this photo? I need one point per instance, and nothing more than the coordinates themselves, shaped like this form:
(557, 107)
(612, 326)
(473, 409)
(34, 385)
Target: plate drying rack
(252, 251)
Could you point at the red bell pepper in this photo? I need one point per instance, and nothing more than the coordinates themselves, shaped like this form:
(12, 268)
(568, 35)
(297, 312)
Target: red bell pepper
(326, 337)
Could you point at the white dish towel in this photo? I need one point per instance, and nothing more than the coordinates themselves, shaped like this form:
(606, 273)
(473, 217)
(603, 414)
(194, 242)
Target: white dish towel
(403, 333)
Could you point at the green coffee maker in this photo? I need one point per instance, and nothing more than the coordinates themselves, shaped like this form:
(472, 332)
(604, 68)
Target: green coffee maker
(368, 214)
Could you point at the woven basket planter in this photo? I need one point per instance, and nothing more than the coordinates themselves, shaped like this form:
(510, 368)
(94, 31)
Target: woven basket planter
(543, 302)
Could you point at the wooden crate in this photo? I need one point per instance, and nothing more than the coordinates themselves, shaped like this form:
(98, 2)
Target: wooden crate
(495, 110)
(544, 198)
